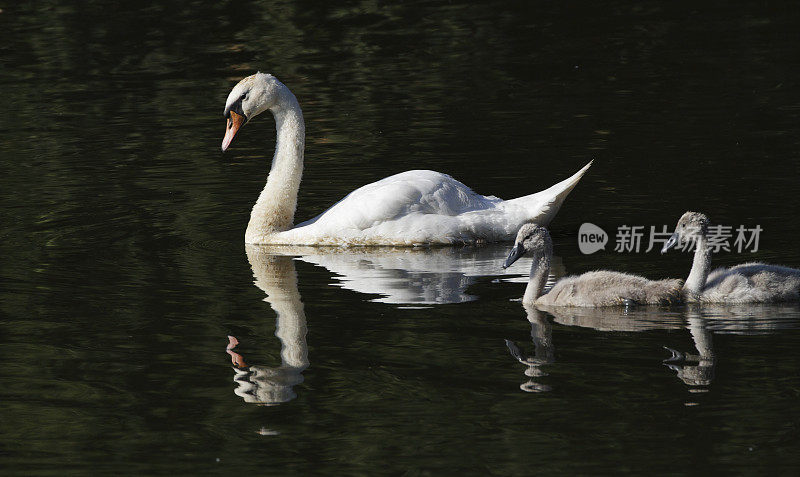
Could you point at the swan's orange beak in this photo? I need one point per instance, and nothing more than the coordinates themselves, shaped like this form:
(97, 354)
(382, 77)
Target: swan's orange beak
(235, 121)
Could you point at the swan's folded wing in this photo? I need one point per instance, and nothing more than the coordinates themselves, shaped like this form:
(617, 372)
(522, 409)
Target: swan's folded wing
(404, 194)
(419, 207)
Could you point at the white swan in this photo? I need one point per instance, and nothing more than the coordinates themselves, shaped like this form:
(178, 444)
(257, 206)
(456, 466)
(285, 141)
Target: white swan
(747, 283)
(592, 289)
(410, 208)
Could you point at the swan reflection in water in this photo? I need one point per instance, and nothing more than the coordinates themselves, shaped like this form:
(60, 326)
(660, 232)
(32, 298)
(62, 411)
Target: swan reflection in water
(412, 275)
(275, 275)
(695, 368)
(398, 275)
(408, 276)
(543, 354)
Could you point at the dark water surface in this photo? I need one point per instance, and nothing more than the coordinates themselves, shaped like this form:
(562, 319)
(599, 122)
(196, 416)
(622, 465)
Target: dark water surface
(123, 269)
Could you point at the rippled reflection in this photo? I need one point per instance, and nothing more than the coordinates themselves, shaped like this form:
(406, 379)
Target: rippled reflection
(399, 275)
(402, 275)
(749, 319)
(276, 276)
(694, 367)
(543, 354)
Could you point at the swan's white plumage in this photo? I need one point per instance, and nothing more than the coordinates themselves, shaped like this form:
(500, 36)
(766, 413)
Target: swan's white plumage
(425, 207)
(411, 208)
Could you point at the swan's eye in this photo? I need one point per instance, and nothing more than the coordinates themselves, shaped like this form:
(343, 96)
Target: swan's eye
(243, 97)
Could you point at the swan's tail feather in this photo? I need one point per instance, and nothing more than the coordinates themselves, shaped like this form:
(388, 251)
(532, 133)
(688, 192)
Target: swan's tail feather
(542, 206)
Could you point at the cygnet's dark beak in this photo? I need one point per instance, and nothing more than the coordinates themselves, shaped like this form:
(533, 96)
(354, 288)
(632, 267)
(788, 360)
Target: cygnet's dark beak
(514, 255)
(673, 240)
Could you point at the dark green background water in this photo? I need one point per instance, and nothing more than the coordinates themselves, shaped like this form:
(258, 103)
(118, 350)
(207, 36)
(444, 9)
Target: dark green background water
(122, 265)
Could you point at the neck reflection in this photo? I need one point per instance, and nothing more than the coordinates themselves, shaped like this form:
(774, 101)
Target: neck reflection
(276, 276)
(543, 354)
(696, 369)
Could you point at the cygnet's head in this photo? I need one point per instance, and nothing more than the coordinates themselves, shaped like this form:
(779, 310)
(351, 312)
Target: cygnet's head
(691, 226)
(249, 98)
(530, 238)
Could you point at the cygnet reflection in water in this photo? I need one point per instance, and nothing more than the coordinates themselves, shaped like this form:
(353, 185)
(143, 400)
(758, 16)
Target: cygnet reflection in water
(543, 354)
(695, 368)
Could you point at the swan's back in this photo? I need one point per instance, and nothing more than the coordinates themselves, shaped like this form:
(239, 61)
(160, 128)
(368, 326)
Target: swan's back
(413, 207)
(418, 191)
(606, 288)
(425, 207)
(752, 283)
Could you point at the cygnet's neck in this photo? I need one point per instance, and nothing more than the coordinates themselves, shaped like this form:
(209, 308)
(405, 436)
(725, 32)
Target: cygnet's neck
(701, 265)
(540, 269)
(275, 207)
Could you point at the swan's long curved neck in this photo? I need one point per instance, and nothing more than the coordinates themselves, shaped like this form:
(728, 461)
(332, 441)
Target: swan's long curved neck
(701, 265)
(275, 207)
(540, 269)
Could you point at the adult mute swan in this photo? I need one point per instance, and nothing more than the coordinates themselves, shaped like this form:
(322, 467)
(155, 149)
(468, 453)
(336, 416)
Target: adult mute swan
(411, 208)
(592, 289)
(747, 283)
